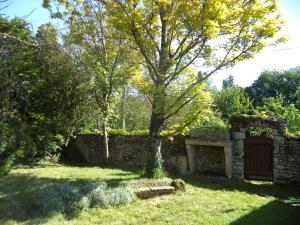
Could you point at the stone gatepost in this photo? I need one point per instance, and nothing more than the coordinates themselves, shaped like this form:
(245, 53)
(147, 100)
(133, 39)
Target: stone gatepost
(238, 154)
(279, 173)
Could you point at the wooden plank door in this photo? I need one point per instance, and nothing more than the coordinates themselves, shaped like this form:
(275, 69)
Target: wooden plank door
(258, 158)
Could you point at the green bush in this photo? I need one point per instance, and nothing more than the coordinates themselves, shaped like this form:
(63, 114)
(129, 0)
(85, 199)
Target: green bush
(60, 197)
(105, 197)
(73, 198)
(178, 184)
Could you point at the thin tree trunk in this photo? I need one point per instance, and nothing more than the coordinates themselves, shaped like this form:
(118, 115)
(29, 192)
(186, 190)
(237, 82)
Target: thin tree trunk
(122, 110)
(105, 133)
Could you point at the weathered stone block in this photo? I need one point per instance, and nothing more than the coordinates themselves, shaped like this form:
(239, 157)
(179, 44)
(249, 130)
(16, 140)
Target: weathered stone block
(240, 144)
(278, 139)
(238, 135)
(279, 167)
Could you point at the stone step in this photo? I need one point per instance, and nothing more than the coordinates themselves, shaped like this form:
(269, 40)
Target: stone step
(153, 191)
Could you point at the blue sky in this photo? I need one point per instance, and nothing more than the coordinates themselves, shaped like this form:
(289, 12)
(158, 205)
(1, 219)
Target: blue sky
(284, 56)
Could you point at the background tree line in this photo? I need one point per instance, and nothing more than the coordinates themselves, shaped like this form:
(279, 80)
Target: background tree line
(274, 94)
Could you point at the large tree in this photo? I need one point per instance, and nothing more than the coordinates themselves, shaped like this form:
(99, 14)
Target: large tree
(16, 60)
(174, 34)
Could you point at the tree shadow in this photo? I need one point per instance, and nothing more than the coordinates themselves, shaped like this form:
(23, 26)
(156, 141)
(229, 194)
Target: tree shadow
(257, 188)
(18, 193)
(274, 213)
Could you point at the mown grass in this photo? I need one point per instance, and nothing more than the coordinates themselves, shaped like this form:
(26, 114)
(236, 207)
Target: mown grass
(206, 201)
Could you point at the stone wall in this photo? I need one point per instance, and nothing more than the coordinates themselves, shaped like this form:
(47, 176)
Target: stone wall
(210, 160)
(125, 150)
(287, 161)
(286, 158)
(132, 151)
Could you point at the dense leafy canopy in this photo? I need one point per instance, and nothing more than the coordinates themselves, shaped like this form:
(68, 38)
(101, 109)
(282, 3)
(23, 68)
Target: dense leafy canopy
(276, 108)
(40, 95)
(232, 100)
(275, 83)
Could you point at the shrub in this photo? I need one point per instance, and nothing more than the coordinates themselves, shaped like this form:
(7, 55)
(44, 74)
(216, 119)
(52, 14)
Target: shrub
(60, 197)
(178, 184)
(104, 197)
(70, 198)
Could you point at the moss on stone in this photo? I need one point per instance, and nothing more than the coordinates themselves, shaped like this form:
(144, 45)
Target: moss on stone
(178, 184)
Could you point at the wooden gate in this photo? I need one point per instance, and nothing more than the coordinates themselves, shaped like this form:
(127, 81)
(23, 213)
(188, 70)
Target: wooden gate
(258, 158)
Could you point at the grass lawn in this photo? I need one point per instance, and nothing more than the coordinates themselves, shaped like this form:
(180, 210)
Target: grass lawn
(206, 201)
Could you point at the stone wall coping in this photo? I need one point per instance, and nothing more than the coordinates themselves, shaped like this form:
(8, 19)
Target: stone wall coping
(204, 134)
(193, 141)
(296, 138)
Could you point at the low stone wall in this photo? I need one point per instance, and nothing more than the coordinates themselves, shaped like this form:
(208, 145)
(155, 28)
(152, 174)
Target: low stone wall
(132, 151)
(125, 150)
(287, 161)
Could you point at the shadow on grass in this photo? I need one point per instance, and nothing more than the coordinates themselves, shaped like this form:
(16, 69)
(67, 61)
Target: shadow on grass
(285, 209)
(18, 193)
(274, 213)
(257, 188)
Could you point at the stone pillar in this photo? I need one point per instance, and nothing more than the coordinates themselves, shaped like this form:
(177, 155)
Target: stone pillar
(191, 157)
(279, 153)
(228, 160)
(238, 154)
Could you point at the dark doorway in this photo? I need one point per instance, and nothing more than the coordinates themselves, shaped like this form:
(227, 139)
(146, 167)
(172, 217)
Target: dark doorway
(258, 158)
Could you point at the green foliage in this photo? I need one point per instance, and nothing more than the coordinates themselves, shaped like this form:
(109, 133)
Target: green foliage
(40, 93)
(137, 112)
(232, 100)
(125, 132)
(229, 82)
(158, 170)
(275, 107)
(178, 184)
(298, 97)
(274, 83)
(7, 165)
(72, 198)
(213, 121)
(259, 131)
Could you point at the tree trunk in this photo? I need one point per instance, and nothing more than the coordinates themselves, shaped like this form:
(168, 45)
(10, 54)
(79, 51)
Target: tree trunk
(122, 110)
(105, 133)
(154, 163)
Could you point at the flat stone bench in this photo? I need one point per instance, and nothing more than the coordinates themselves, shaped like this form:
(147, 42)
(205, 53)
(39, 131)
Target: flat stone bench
(145, 190)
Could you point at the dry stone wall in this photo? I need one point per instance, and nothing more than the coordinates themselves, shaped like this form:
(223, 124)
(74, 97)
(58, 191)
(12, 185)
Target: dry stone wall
(287, 161)
(125, 150)
(132, 151)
